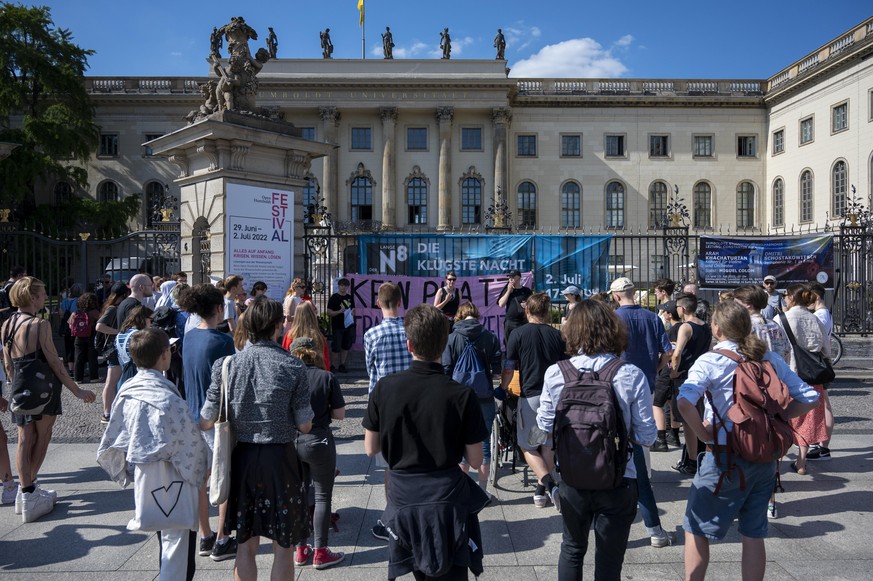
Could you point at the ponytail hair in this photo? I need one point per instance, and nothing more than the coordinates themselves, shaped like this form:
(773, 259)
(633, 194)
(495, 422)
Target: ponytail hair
(801, 294)
(735, 324)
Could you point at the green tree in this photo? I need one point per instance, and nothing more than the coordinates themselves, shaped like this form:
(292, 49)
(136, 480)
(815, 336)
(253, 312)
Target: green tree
(44, 106)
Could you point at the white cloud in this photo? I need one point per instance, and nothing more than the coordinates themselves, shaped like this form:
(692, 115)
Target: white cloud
(174, 53)
(520, 36)
(415, 50)
(575, 58)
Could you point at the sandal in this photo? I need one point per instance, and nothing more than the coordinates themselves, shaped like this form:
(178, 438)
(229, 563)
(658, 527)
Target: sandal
(800, 470)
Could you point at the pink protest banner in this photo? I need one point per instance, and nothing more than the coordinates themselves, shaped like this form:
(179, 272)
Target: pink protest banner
(483, 291)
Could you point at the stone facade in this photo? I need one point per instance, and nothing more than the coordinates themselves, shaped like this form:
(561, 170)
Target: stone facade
(446, 134)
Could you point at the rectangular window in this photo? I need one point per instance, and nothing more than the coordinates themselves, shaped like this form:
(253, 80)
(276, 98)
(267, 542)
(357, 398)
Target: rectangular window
(840, 117)
(362, 139)
(471, 139)
(778, 141)
(527, 146)
(109, 144)
(659, 146)
(308, 133)
(747, 146)
(146, 150)
(702, 146)
(614, 146)
(571, 145)
(807, 132)
(416, 138)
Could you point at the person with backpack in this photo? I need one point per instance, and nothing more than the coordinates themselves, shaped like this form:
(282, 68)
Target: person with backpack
(28, 351)
(737, 473)
(598, 486)
(66, 309)
(6, 308)
(107, 328)
(472, 357)
(83, 324)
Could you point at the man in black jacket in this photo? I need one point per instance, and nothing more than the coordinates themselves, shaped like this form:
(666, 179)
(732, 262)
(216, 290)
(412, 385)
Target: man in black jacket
(422, 422)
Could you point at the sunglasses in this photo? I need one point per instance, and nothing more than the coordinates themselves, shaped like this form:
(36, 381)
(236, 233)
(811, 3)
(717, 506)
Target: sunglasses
(451, 279)
(769, 282)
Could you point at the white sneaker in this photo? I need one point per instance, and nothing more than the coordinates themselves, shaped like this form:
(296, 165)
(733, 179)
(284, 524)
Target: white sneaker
(35, 505)
(663, 540)
(9, 494)
(18, 500)
(52, 493)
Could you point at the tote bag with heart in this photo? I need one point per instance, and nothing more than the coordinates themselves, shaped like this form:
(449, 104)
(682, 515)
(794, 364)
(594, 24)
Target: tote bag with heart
(219, 480)
(163, 500)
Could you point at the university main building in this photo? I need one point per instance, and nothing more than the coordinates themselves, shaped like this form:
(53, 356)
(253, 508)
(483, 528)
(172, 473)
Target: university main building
(432, 144)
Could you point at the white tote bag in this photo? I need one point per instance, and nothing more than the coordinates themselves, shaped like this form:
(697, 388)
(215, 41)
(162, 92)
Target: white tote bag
(219, 480)
(163, 500)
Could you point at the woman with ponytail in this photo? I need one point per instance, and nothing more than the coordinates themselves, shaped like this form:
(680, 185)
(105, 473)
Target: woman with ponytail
(809, 334)
(709, 515)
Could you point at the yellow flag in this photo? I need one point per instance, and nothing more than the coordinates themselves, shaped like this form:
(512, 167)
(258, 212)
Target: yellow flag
(361, 10)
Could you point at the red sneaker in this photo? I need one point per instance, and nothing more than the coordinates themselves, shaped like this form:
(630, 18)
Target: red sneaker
(302, 555)
(325, 558)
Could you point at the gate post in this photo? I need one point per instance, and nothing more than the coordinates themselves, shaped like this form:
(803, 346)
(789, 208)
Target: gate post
(676, 229)
(83, 258)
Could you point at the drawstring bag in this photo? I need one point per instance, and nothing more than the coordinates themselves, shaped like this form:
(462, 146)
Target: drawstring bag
(32, 383)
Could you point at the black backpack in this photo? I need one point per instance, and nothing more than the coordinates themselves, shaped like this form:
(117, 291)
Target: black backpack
(164, 318)
(590, 438)
(6, 308)
(32, 383)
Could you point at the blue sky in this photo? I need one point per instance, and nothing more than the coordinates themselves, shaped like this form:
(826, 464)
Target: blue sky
(574, 38)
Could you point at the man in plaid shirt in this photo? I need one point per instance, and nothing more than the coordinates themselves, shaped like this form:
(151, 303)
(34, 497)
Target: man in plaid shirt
(385, 348)
(385, 352)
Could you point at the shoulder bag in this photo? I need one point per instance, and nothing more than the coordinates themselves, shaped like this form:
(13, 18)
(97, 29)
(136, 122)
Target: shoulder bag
(163, 500)
(813, 368)
(219, 479)
(32, 380)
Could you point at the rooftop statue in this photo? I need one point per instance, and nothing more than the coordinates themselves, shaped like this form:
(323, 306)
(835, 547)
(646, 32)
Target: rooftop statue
(326, 44)
(446, 43)
(500, 45)
(388, 43)
(272, 43)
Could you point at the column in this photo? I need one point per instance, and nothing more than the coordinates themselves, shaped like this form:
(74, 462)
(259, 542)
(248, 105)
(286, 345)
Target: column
(389, 166)
(330, 178)
(444, 117)
(500, 118)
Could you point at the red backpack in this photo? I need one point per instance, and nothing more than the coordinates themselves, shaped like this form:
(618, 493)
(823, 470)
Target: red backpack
(80, 325)
(761, 430)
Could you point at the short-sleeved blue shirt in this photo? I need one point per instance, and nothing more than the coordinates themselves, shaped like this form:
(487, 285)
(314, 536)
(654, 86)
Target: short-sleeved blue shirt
(646, 340)
(203, 347)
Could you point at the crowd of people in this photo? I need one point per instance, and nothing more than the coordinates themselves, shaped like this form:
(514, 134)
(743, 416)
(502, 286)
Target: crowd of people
(202, 354)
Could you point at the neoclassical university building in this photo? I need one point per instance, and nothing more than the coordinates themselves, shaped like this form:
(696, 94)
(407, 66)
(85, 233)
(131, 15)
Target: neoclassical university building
(432, 144)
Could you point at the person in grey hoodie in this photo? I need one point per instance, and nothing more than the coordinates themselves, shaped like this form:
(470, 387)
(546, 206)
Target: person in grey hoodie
(468, 327)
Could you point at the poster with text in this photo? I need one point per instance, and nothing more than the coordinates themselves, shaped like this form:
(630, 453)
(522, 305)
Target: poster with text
(260, 236)
(731, 262)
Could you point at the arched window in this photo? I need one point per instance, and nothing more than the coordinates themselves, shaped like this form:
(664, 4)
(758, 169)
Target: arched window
(778, 202)
(657, 204)
(571, 205)
(745, 205)
(362, 199)
(839, 189)
(527, 205)
(702, 205)
(308, 198)
(615, 205)
(416, 199)
(471, 201)
(806, 196)
(107, 192)
(63, 193)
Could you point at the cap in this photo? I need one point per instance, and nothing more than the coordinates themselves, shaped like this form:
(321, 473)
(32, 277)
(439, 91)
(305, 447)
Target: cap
(620, 285)
(571, 290)
(670, 307)
(769, 277)
(513, 273)
(343, 281)
(117, 288)
(301, 343)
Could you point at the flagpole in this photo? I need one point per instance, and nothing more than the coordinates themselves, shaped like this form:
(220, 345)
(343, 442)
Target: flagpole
(363, 19)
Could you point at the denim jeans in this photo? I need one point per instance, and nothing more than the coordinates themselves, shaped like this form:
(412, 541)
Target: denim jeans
(648, 507)
(611, 512)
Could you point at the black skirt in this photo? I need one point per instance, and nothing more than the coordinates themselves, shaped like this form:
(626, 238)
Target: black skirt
(266, 494)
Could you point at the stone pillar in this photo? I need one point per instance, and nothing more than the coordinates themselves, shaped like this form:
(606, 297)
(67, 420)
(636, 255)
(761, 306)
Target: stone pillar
(330, 178)
(444, 117)
(500, 118)
(389, 166)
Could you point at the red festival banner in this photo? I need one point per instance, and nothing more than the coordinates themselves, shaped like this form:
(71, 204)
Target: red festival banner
(483, 291)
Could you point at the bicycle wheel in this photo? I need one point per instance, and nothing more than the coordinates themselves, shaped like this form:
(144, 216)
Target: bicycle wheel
(836, 349)
(495, 449)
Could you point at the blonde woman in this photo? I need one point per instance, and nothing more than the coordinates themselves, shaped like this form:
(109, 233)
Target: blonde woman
(295, 295)
(27, 336)
(306, 325)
